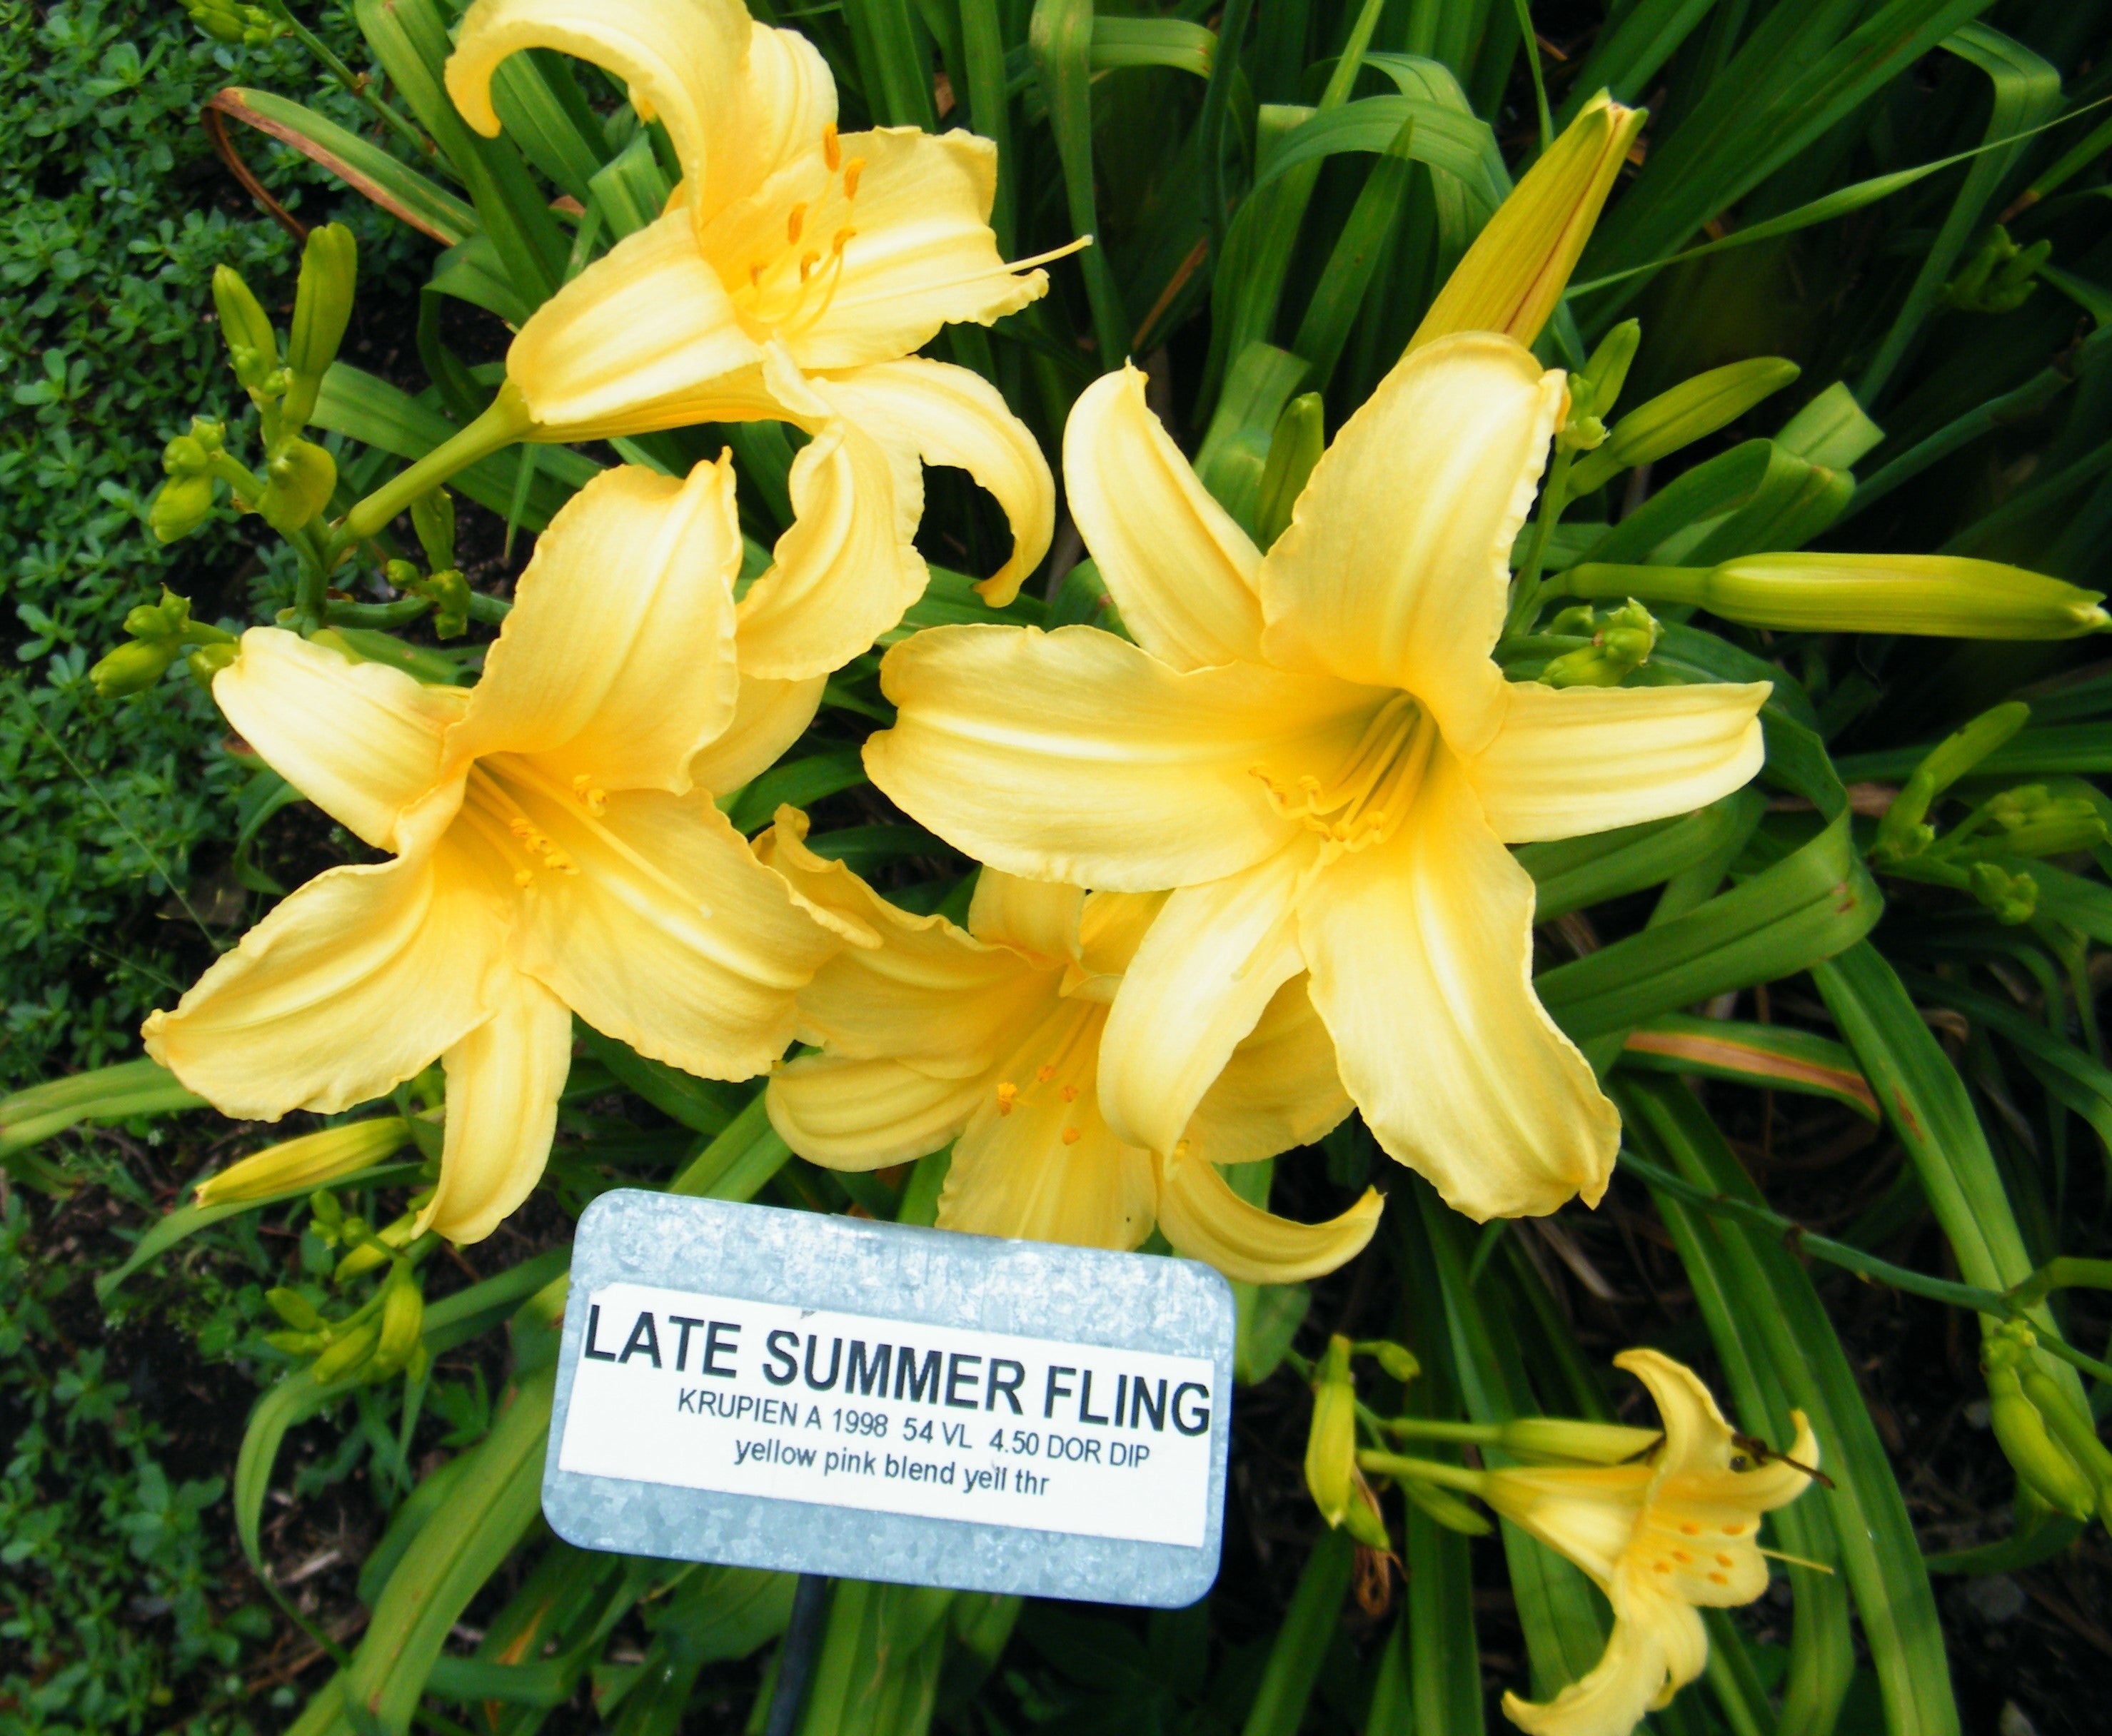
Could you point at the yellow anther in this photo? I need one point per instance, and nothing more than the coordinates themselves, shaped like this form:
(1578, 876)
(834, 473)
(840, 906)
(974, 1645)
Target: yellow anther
(1681, 1557)
(807, 262)
(1008, 1094)
(524, 877)
(1732, 1530)
(843, 239)
(852, 171)
(1719, 1579)
(1725, 1560)
(831, 153)
(755, 277)
(1663, 1566)
(1072, 1136)
(521, 829)
(1690, 1528)
(1045, 1074)
(795, 220)
(1070, 1094)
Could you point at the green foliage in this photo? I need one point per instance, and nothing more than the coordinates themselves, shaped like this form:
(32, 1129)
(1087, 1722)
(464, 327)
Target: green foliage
(117, 213)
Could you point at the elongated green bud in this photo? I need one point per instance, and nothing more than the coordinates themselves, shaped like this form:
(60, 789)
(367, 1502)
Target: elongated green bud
(322, 309)
(2013, 898)
(1513, 276)
(1293, 450)
(344, 1354)
(2072, 1429)
(1446, 1507)
(297, 486)
(1331, 1446)
(433, 517)
(1831, 430)
(1902, 833)
(181, 504)
(403, 1315)
(1564, 1439)
(1595, 386)
(132, 668)
(2021, 1431)
(1362, 1519)
(1673, 420)
(252, 346)
(207, 661)
(307, 1162)
(1933, 596)
(1397, 1360)
(295, 1310)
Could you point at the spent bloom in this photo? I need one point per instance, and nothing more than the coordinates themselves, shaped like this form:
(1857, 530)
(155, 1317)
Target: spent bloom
(555, 850)
(791, 277)
(990, 1037)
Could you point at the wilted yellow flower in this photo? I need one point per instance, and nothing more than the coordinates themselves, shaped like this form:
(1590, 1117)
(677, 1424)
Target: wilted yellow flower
(1661, 1538)
(555, 850)
(791, 277)
(1315, 746)
(990, 1037)
(1512, 278)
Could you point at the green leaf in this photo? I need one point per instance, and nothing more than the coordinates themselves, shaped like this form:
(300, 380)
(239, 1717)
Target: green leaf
(1300, 1645)
(132, 1088)
(1771, 1056)
(801, 782)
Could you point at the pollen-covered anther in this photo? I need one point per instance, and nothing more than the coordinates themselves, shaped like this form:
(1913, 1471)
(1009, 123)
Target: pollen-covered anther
(852, 171)
(831, 151)
(1368, 796)
(1045, 1074)
(807, 262)
(524, 877)
(1008, 1094)
(1072, 1136)
(844, 237)
(795, 220)
(591, 795)
(1070, 1094)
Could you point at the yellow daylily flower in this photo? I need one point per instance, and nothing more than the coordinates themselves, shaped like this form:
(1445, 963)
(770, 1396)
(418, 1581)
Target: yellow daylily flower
(556, 850)
(1315, 747)
(1660, 1538)
(791, 277)
(989, 1037)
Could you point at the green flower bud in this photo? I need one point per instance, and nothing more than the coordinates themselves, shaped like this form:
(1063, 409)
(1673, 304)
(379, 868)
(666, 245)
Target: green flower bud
(1397, 1360)
(1330, 1444)
(1677, 418)
(164, 619)
(345, 1354)
(207, 661)
(296, 1343)
(132, 668)
(1446, 1507)
(1563, 1439)
(295, 1310)
(2072, 1429)
(1831, 430)
(252, 346)
(2020, 1430)
(1621, 642)
(323, 1207)
(185, 456)
(297, 484)
(450, 591)
(223, 23)
(402, 1315)
(209, 434)
(433, 517)
(403, 575)
(180, 505)
(1997, 276)
(1607, 371)
(322, 308)
(1901, 833)
(2012, 897)
(1362, 1519)
(1294, 449)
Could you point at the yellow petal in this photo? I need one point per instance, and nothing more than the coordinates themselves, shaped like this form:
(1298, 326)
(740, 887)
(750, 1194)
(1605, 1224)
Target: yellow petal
(1182, 572)
(768, 717)
(312, 1161)
(670, 937)
(919, 253)
(1211, 963)
(616, 663)
(1016, 1173)
(843, 573)
(1076, 756)
(1587, 1514)
(929, 992)
(1575, 760)
(1111, 927)
(1396, 566)
(849, 1114)
(346, 989)
(681, 58)
(788, 95)
(1420, 951)
(1204, 1219)
(1705, 1478)
(1037, 916)
(1281, 1088)
(362, 741)
(644, 338)
(1626, 1683)
(1514, 274)
(503, 1081)
(949, 415)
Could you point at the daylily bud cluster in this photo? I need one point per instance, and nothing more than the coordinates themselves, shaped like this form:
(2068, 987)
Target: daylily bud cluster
(1676, 419)
(1616, 643)
(380, 1339)
(1997, 275)
(232, 22)
(2030, 822)
(160, 631)
(1595, 388)
(1333, 1476)
(2048, 1439)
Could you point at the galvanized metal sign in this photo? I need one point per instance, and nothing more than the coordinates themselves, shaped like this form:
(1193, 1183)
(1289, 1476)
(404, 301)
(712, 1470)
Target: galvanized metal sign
(819, 1394)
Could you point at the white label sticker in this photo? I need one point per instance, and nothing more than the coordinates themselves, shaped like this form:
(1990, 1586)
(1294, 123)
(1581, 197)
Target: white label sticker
(893, 1416)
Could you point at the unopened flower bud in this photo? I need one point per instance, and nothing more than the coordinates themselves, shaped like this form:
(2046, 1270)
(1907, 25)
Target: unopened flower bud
(1676, 419)
(343, 1355)
(298, 484)
(2020, 1431)
(252, 346)
(450, 591)
(295, 1310)
(1565, 1438)
(309, 1160)
(1331, 1445)
(2073, 1430)
(1397, 1360)
(132, 668)
(1362, 1518)
(433, 518)
(180, 505)
(1621, 642)
(185, 456)
(322, 308)
(209, 434)
(1514, 274)
(403, 1315)
(1997, 276)
(164, 619)
(2014, 898)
